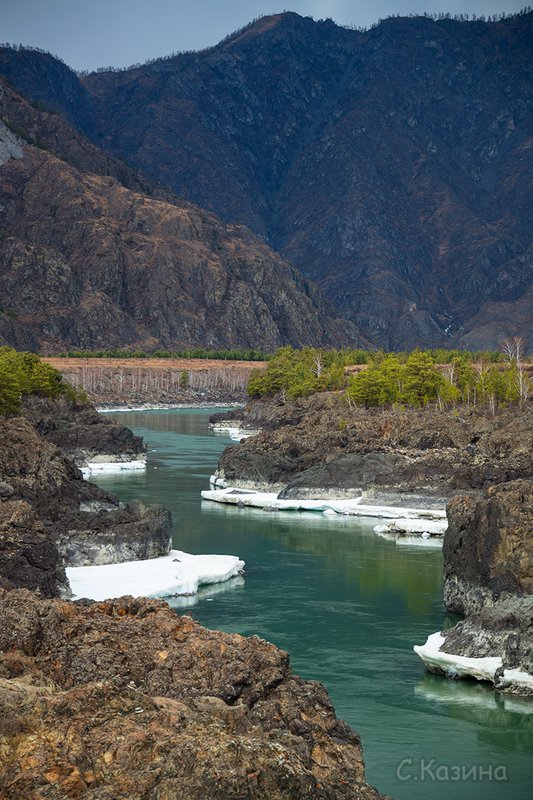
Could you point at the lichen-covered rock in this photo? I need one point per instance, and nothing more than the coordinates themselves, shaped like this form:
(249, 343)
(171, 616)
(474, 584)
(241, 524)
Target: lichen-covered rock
(125, 698)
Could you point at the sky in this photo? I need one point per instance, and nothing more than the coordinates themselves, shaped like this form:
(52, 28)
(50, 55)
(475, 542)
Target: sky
(102, 33)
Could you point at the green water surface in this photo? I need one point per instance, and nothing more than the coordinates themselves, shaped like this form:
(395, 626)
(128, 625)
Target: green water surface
(348, 607)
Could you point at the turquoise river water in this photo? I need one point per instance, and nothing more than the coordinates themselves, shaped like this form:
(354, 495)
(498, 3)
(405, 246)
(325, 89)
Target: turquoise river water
(348, 607)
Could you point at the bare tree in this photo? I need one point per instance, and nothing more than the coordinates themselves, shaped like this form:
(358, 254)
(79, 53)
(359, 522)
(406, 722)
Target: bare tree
(513, 349)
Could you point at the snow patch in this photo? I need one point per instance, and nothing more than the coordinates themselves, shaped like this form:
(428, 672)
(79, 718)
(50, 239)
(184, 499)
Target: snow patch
(175, 574)
(10, 144)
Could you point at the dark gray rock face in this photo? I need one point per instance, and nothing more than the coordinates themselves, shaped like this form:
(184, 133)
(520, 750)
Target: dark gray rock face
(379, 476)
(80, 432)
(129, 533)
(52, 517)
(391, 166)
(488, 546)
(29, 557)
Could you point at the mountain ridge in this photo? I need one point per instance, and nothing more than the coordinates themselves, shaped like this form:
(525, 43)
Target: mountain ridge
(390, 166)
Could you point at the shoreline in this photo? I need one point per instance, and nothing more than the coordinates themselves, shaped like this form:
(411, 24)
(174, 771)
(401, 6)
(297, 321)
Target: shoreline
(110, 408)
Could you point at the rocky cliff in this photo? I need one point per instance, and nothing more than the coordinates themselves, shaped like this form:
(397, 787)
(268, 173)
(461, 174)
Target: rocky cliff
(125, 698)
(88, 260)
(50, 517)
(391, 166)
(488, 577)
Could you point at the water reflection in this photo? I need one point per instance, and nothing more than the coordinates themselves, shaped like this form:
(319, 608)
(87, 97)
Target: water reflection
(206, 593)
(475, 702)
(351, 551)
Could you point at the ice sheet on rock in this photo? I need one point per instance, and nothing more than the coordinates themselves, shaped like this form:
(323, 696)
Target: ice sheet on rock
(175, 574)
(269, 501)
(234, 432)
(217, 483)
(95, 467)
(455, 666)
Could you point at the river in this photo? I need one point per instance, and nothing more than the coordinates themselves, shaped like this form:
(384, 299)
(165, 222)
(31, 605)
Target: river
(348, 607)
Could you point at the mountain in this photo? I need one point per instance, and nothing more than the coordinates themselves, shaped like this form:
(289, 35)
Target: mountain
(392, 166)
(94, 255)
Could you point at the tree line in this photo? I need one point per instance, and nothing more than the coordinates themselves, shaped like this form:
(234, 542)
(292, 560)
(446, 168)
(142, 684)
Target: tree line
(416, 379)
(234, 354)
(160, 384)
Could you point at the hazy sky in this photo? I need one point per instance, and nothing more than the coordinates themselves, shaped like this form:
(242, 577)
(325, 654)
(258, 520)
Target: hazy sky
(121, 32)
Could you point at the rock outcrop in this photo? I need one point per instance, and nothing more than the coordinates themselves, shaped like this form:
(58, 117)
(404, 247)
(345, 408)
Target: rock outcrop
(488, 578)
(125, 698)
(320, 447)
(80, 432)
(50, 517)
(392, 166)
(488, 547)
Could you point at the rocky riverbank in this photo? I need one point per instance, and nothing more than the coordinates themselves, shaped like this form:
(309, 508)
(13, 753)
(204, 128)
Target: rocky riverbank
(488, 578)
(320, 447)
(478, 466)
(80, 432)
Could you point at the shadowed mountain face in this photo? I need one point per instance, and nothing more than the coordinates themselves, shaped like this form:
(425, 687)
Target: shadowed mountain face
(393, 167)
(86, 261)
